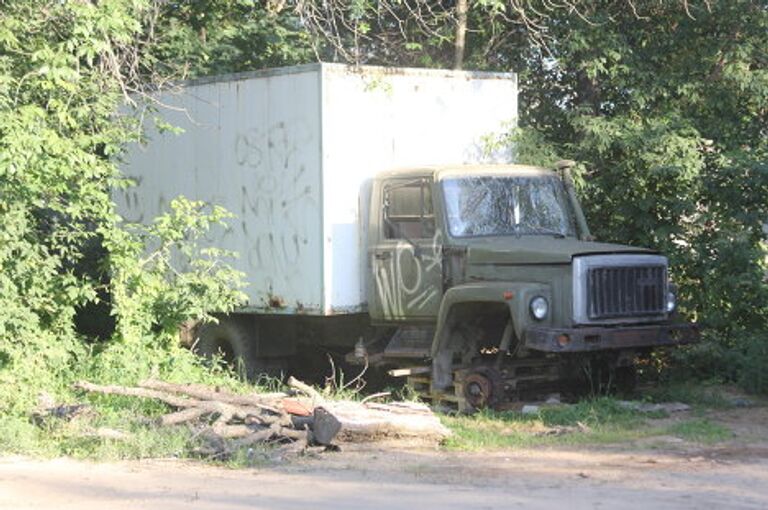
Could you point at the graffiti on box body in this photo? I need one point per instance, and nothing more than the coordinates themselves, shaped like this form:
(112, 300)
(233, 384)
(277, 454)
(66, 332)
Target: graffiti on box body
(401, 280)
(277, 196)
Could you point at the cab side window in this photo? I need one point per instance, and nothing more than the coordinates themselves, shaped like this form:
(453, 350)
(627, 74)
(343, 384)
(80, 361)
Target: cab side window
(408, 211)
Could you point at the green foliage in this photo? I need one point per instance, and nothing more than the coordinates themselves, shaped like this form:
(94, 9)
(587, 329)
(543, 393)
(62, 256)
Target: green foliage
(597, 421)
(64, 70)
(666, 109)
(707, 395)
(752, 360)
(161, 278)
(742, 361)
(700, 431)
(668, 115)
(56, 126)
(530, 147)
(199, 38)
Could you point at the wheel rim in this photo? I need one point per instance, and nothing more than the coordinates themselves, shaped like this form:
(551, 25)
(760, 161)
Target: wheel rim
(478, 390)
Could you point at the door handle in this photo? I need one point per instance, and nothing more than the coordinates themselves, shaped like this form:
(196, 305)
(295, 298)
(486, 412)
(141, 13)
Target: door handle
(384, 255)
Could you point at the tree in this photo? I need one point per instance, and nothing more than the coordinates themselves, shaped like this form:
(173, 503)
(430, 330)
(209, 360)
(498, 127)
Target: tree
(65, 68)
(667, 109)
(202, 37)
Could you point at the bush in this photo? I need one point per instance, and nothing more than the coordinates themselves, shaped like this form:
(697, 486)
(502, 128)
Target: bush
(752, 362)
(65, 69)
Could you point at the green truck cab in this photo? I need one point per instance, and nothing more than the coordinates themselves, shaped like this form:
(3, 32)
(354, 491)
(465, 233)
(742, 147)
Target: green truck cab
(492, 274)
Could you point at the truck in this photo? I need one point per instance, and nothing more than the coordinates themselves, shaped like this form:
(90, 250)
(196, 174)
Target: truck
(377, 218)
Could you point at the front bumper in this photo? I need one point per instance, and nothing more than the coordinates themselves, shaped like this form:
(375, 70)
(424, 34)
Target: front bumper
(598, 339)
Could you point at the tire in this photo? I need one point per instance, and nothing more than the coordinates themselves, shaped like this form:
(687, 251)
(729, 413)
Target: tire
(232, 340)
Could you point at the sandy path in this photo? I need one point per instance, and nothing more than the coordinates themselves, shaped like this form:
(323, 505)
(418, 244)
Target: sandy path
(365, 478)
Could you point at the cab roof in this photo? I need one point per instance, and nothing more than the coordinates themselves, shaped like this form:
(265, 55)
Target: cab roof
(439, 172)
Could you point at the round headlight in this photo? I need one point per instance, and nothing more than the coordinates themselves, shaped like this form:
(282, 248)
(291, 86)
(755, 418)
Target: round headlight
(671, 302)
(539, 308)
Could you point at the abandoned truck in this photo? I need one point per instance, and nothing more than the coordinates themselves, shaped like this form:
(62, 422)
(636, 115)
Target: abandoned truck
(376, 217)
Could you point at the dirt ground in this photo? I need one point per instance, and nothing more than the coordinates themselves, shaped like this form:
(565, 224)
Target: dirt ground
(663, 473)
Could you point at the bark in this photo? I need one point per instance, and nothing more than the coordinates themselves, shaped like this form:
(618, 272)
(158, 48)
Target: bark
(208, 406)
(356, 422)
(306, 389)
(461, 33)
(201, 392)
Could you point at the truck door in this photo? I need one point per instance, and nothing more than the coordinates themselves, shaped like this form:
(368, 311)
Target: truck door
(407, 256)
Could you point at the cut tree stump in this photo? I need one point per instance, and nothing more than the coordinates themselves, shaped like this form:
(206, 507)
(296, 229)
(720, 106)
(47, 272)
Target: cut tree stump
(357, 422)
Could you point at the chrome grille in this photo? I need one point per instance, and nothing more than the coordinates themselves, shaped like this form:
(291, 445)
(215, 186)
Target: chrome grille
(626, 291)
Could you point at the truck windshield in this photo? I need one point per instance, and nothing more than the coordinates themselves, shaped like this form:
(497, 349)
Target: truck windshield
(507, 205)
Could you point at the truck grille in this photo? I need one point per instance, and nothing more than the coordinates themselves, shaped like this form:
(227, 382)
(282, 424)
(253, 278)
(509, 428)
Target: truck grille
(626, 291)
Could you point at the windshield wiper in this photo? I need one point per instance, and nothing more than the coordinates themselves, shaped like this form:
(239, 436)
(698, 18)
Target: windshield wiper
(545, 231)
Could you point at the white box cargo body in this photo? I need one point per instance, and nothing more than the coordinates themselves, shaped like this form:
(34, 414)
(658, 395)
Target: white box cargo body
(289, 151)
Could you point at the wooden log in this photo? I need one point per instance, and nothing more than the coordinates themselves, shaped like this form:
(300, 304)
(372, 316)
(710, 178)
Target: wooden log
(306, 389)
(258, 436)
(208, 406)
(293, 434)
(179, 417)
(356, 422)
(381, 394)
(134, 392)
(225, 431)
(264, 401)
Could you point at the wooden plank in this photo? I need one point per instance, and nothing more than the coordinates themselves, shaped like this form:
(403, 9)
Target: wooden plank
(402, 372)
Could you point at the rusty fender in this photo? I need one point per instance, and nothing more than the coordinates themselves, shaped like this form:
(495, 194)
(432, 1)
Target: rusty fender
(516, 295)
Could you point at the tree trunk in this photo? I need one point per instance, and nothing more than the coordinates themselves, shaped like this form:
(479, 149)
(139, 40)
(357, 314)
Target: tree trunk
(461, 33)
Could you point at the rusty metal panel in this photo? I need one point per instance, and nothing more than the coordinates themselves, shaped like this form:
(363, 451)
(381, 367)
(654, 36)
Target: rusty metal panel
(252, 145)
(377, 119)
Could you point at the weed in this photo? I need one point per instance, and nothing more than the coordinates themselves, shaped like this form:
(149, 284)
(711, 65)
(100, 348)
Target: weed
(701, 395)
(596, 421)
(591, 421)
(699, 430)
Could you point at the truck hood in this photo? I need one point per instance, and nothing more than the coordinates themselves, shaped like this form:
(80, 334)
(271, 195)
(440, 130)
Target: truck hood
(537, 250)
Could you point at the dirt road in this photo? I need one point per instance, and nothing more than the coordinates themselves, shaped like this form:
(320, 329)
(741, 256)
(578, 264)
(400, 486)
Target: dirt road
(365, 478)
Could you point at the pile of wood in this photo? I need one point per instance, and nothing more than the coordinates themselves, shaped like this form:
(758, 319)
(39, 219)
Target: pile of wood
(300, 417)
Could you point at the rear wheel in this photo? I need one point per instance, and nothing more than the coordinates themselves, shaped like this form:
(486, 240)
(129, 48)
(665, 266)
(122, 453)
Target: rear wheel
(232, 339)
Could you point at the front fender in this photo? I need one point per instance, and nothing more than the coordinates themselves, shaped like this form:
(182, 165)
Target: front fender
(516, 295)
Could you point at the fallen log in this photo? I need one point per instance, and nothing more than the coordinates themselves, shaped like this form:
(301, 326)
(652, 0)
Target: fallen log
(358, 422)
(206, 406)
(201, 392)
(179, 417)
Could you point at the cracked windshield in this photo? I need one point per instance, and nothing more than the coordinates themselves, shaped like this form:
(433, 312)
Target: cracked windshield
(507, 205)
